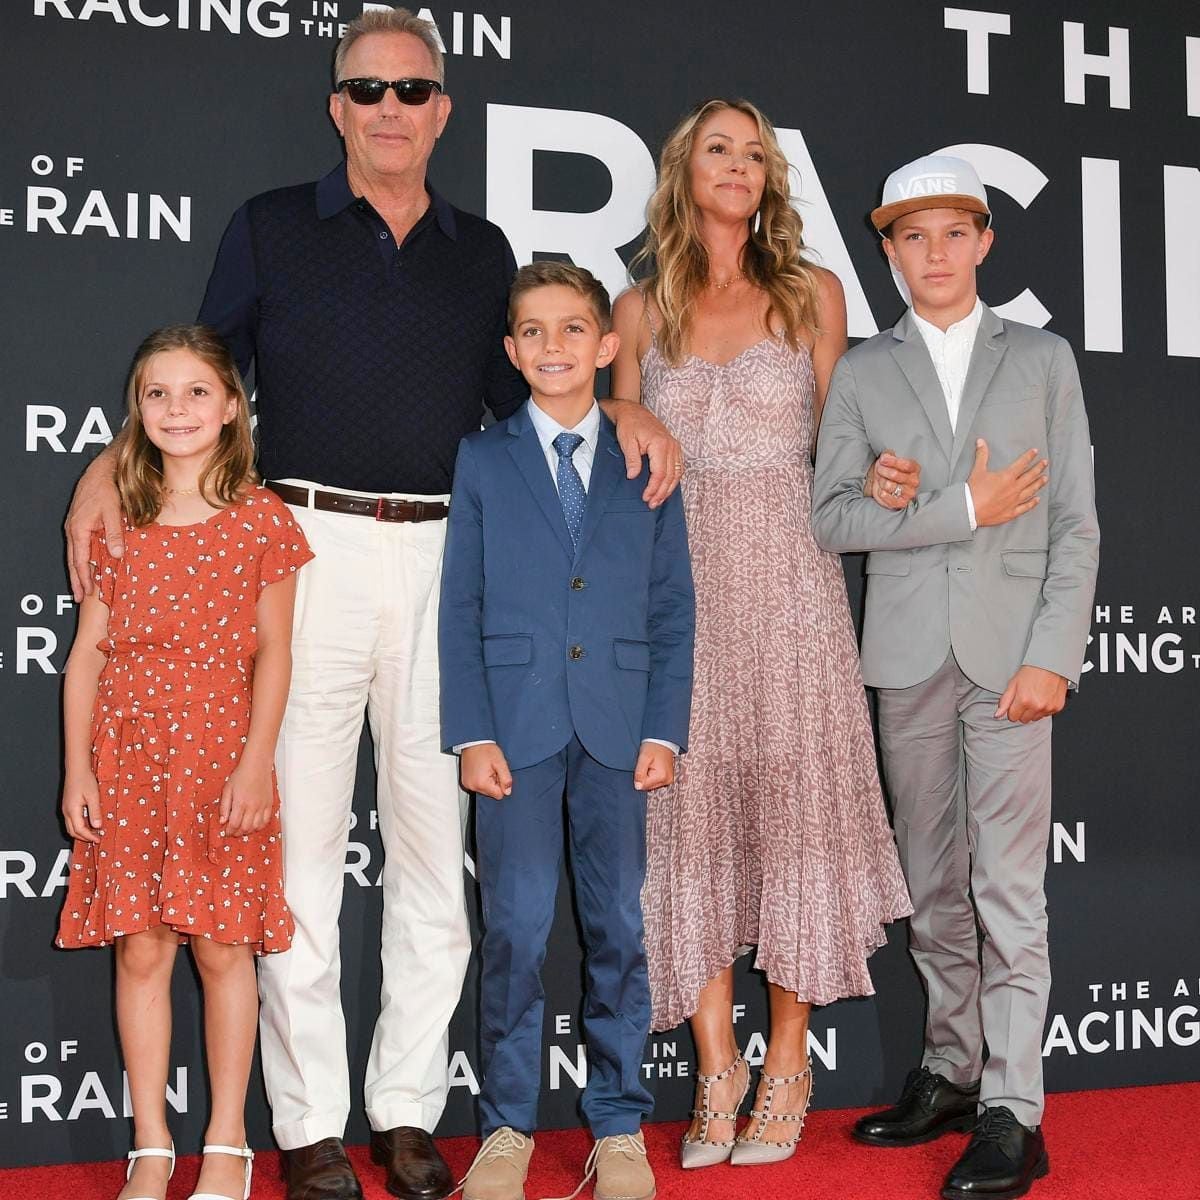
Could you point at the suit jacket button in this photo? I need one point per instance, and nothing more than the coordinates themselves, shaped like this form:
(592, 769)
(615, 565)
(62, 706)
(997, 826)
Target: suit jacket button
(577, 584)
(576, 653)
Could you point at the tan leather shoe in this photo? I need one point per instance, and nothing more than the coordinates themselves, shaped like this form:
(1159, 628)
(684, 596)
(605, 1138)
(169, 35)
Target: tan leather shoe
(622, 1172)
(500, 1167)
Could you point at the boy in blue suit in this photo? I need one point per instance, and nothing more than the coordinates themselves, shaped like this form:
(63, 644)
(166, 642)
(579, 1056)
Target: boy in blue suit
(566, 629)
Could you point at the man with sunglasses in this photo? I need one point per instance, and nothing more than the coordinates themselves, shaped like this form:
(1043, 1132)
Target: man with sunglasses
(374, 314)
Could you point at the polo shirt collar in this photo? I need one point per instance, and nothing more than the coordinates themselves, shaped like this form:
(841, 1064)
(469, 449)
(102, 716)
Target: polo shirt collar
(333, 193)
(444, 212)
(334, 196)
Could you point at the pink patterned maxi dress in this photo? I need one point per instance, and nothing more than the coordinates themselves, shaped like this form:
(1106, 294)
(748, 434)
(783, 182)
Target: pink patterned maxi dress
(774, 834)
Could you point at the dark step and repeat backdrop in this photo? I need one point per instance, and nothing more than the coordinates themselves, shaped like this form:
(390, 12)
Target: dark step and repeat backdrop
(135, 127)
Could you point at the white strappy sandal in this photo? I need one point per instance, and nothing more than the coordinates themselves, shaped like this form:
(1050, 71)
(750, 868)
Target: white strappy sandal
(149, 1152)
(238, 1152)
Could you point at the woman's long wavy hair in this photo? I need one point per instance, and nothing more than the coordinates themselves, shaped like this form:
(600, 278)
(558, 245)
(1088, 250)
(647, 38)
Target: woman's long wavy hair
(230, 468)
(673, 263)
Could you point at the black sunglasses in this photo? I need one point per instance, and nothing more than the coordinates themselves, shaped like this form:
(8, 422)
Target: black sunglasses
(371, 91)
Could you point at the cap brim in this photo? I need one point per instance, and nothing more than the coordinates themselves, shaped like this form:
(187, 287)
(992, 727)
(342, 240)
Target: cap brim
(883, 216)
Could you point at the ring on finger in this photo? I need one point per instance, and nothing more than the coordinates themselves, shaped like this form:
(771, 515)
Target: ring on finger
(897, 491)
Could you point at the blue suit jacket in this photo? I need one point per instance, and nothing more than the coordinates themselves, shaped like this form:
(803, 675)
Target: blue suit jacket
(539, 640)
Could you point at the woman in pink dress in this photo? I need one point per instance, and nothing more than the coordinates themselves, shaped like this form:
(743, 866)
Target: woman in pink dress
(774, 835)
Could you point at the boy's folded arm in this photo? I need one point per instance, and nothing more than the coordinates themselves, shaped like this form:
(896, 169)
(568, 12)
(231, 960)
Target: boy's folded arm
(844, 520)
(671, 625)
(466, 710)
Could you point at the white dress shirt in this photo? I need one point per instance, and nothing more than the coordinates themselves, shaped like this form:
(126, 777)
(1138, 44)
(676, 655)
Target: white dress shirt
(547, 429)
(951, 354)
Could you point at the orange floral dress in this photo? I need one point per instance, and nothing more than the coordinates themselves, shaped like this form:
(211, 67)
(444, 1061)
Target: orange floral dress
(171, 715)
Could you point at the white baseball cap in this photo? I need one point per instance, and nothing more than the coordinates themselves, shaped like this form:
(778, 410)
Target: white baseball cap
(934, 181)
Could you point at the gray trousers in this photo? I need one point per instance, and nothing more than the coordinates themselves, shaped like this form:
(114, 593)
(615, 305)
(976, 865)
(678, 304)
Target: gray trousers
(971, 799)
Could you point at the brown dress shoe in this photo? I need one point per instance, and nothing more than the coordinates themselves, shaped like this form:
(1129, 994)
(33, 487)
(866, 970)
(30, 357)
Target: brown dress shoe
(319, 1172)
(415, 1170)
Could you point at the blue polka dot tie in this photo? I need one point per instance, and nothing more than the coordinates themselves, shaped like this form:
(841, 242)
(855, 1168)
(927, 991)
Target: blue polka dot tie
(570, 487)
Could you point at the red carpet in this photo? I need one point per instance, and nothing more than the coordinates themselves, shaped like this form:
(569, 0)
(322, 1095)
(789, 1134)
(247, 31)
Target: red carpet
(1129, 1144)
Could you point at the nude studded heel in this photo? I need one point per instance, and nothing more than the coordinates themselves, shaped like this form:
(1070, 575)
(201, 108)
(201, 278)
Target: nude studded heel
(699, 1152)
(753, 1151)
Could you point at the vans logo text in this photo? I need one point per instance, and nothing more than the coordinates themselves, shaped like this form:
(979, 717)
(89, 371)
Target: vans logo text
(929, 185)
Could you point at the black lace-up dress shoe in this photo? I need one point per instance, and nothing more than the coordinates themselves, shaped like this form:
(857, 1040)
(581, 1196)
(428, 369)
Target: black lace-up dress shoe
(929, 1106)
(1001, 1161)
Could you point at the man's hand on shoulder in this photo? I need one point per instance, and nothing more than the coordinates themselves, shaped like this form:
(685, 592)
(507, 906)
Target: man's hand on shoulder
(485, 771)
(640, 432)
(1002, 496)
(96, 506)
(1032, 693)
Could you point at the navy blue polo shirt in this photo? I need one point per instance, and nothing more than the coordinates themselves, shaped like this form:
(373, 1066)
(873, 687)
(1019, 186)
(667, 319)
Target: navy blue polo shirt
(371, 360)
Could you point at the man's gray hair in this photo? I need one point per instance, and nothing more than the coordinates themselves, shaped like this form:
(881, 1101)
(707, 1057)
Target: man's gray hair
(395, 20)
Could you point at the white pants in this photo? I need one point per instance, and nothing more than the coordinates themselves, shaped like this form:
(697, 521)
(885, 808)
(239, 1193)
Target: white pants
(365, 637)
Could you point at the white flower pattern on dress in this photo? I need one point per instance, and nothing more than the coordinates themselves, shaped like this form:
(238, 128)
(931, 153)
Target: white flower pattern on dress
(170, 721)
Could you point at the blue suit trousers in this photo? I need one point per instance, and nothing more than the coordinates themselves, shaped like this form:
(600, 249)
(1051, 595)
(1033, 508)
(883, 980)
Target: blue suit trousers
(518, 858)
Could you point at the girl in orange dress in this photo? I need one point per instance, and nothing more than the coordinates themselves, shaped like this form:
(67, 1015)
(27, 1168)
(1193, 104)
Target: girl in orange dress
(173, 696)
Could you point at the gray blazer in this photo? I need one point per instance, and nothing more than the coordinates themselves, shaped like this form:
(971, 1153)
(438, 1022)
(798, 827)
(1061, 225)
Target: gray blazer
(1006, 594)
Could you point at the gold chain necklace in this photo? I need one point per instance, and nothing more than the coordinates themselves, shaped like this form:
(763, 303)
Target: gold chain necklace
(182, 491)
(720, 287)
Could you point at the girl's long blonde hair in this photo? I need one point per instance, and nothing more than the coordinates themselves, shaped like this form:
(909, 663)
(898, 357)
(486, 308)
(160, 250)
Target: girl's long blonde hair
(230, 468)
(676, 262)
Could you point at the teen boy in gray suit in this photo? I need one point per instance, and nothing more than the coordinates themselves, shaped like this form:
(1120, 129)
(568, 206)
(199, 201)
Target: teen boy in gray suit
(978, 604)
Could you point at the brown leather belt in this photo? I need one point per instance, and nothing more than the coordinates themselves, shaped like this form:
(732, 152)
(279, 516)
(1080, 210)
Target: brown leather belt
(380, 508)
